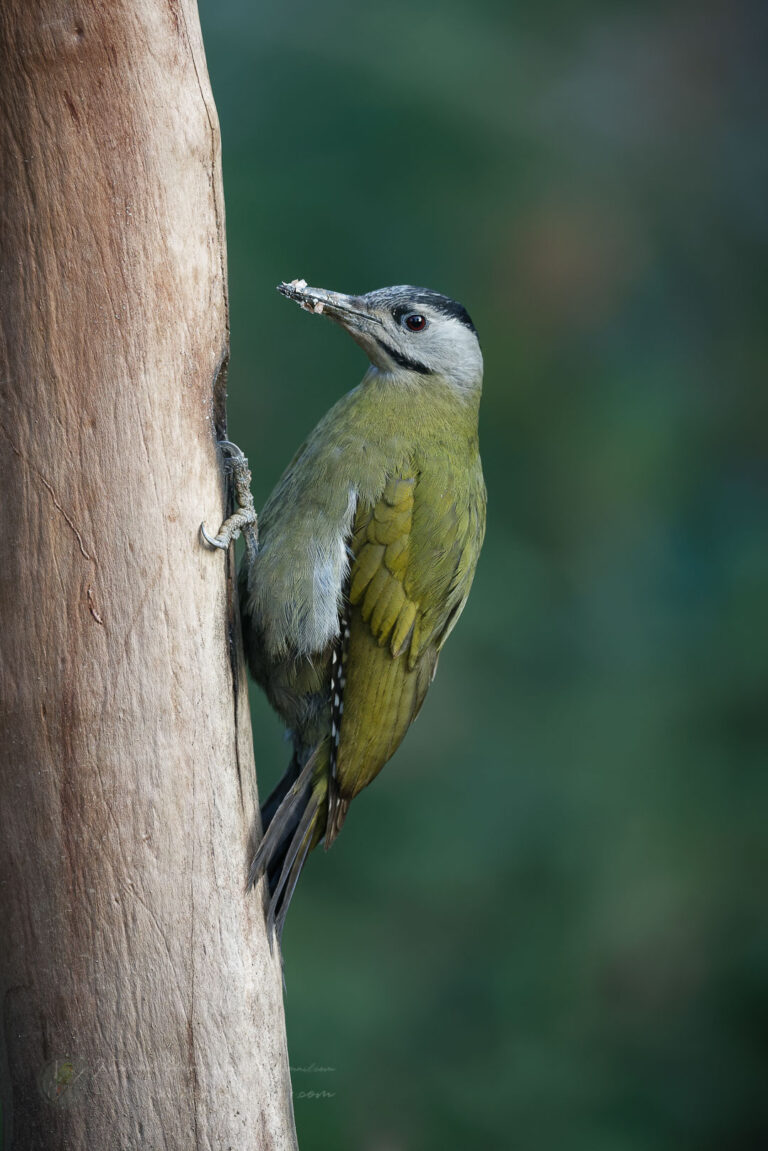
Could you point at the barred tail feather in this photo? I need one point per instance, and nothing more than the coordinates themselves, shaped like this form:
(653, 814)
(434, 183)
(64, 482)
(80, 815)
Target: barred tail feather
(291, 870)
(292, 830)
(279, 792)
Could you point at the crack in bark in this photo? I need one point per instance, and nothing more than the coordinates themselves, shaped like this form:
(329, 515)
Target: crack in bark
(35, 471)
(234, 668)
(218, 214)
(92, 606)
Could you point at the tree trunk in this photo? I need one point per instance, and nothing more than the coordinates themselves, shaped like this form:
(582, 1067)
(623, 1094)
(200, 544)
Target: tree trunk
(141, 1007)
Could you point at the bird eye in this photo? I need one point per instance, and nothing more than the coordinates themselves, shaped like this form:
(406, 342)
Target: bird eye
(416, 322)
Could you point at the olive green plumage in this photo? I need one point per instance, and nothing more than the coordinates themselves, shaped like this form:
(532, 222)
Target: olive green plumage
(367, 550)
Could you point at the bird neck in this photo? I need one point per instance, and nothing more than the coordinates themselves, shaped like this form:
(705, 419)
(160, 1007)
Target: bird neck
(404, 399)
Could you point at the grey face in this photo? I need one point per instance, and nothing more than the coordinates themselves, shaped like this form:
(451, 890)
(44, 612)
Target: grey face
(403, 330)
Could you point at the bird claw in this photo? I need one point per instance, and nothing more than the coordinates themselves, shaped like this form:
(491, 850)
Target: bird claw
(213, 541)
(234, 454)
(243, 519)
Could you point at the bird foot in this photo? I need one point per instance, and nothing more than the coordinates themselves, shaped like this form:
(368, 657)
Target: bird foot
(243, 519)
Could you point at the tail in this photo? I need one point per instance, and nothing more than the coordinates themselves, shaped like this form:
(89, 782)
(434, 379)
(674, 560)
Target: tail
(294, 819)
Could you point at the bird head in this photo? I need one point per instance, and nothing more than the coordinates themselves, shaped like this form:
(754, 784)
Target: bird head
(403, 330)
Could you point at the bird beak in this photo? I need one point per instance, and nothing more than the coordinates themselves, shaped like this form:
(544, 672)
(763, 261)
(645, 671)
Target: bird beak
(350, 311)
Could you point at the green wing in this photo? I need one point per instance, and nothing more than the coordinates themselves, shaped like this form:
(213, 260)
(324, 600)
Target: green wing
(415, 553)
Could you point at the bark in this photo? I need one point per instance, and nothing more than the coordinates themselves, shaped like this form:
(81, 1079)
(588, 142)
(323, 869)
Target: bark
(141, 1007)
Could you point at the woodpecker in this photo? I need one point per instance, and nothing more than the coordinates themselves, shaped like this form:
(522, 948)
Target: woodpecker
(366, 554)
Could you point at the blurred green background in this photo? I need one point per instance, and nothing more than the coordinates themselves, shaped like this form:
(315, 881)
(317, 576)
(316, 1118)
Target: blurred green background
(544, 925)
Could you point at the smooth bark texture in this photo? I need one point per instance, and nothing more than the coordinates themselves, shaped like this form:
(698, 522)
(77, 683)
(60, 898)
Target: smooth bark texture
(141, 1007)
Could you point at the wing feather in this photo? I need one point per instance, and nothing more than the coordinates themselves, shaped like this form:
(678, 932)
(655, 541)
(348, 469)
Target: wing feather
(414, 555)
